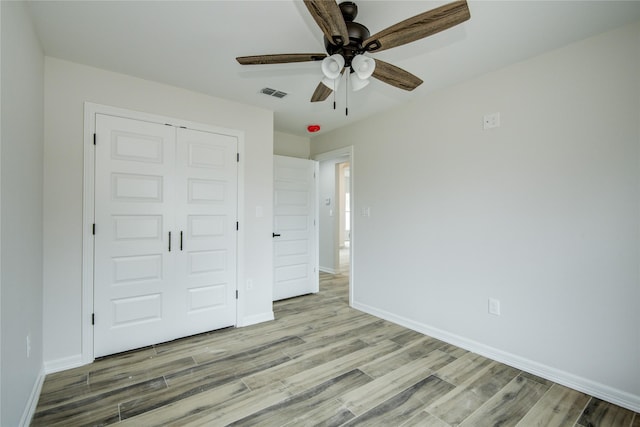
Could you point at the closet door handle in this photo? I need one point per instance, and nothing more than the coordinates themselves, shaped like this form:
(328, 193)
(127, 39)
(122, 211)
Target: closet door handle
(276, 234)
(180, 239)
(169, 241)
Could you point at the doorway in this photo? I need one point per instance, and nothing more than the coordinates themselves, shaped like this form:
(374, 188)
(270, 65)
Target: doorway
(343, 197)
(335, 202)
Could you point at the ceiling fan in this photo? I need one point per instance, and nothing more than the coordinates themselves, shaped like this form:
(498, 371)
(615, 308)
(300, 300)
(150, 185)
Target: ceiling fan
(346, 41)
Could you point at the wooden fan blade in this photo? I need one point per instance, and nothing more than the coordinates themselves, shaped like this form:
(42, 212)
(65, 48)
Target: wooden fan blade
(395, 76)
(280, 58)
(420, 26)
(321, 93)
(329, 18)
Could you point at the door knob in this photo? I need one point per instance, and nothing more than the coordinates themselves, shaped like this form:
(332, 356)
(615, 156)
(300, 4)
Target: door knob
(275, 234)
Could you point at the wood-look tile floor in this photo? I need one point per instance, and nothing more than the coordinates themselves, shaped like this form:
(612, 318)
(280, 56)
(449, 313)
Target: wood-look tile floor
(319, 363)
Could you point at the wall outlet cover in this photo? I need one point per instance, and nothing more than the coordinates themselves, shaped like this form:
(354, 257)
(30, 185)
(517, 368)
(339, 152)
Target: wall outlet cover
(491, 121)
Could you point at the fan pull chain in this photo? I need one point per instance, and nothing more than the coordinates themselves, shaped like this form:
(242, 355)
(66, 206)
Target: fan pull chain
(335, 84)
(346, 94)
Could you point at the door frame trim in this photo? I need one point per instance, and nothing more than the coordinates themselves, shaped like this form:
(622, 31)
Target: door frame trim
(88, 204)
(331, 155)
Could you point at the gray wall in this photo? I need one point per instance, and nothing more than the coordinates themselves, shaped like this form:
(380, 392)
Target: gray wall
(542, 213)
(21, 212)
(286, 144)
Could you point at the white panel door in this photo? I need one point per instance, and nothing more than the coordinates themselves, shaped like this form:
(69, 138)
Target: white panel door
(143, 293)
(206, 183)
(295, 232)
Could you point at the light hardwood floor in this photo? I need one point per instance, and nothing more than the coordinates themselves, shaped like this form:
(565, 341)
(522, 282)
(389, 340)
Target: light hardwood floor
(319, 363)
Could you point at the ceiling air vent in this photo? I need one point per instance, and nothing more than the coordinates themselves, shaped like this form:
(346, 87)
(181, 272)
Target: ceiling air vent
(273, 92)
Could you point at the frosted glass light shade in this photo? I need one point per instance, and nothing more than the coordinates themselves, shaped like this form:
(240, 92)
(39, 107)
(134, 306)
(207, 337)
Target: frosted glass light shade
(357, 83)
(332, 66)
(363, 66)
(332, 83)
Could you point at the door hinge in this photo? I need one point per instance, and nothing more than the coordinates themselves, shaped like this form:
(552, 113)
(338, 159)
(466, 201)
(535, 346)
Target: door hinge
(238, 157)
(237, 226)
(94, 139)
(236, 294)
(93, 318)
(93, 229)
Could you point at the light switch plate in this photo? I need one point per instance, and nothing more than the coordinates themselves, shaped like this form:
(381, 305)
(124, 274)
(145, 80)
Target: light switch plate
(494, 306)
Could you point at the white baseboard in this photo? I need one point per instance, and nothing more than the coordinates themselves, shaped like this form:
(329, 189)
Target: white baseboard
(328, 270)
(255, 319)
(32, 403)
(585, 385)
(63, 364)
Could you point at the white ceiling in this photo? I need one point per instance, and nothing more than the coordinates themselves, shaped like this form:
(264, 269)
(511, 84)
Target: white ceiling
(193, 45)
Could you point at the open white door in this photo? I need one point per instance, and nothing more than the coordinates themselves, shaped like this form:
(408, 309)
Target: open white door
(295, 230)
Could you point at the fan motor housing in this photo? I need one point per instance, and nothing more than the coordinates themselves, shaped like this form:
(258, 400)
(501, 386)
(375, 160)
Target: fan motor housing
(357, 34)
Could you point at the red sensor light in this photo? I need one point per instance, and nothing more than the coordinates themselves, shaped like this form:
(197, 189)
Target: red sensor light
(313, 128)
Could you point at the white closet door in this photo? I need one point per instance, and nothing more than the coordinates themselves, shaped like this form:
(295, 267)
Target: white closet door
(149, 288)
(295, 239)
(133, 277)
(207, 181)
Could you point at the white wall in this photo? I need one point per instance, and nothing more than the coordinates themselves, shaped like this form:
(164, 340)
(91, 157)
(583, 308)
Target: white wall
(67, 87)
(21, 216)
(542, 213)
(286, 144)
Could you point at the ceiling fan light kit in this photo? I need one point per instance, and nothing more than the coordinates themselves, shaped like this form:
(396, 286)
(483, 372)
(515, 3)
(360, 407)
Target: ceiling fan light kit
(346, 41)
(363, 66)
(332, 66)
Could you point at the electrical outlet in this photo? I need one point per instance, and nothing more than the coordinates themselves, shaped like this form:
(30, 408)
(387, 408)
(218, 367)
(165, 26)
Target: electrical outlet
(494, 306)
(28, 346)
(249, 284)
(491, 121)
